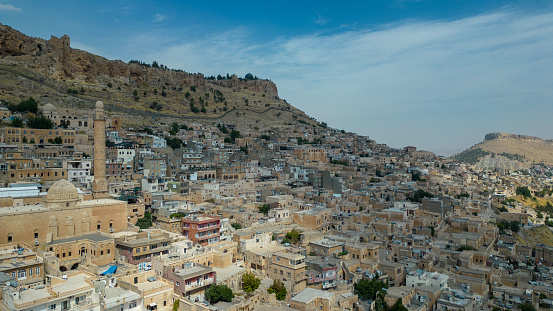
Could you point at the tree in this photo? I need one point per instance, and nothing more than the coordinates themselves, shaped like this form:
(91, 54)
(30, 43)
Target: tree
(397, 306)
(216, 293)
(234, 134)
(524, 191)
(249, 282)
(17, 122)
(515, 226)
(278, 289)
(526, 307)
(40, 122)
(175, 127)
(228, 140)
(368, 289)
(28, 105)
(145, 222)
(176, 305)
(24, 140)
(58, 140)
(264, 209)
(236, 226)
(173, 142)
(293, 236)
(465, 248)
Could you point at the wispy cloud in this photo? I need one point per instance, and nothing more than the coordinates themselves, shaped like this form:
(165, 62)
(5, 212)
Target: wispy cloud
(321, 20)
(434, 84)
(160, 17)
(9, 7)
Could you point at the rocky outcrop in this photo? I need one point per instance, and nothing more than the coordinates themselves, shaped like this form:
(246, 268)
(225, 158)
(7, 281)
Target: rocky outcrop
(54, 58)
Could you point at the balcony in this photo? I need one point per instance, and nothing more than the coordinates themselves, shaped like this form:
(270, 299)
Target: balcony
(202, 283)
(321, 279)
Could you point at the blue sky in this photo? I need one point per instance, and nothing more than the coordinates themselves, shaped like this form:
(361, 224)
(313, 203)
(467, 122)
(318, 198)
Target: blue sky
(438, 75)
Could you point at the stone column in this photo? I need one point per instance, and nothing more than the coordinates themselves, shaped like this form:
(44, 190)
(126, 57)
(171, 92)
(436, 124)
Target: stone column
(100, 183)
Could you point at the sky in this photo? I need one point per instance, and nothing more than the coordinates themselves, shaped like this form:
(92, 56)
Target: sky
(435, 74)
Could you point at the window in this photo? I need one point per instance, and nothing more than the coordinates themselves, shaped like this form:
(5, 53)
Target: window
(109, 251)
(101, 253)
(135, 280)
(69, 254)
(178, 284)
(31, 272)
(52, 307)
(10, 237)
(132, 304)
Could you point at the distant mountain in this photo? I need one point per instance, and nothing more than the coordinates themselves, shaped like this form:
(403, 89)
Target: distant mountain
(53, 72)
(511, 151)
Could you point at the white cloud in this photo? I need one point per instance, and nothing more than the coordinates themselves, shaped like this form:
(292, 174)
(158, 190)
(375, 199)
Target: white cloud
(9, 7)
(434, 84)
(321, 20)
(160, 17)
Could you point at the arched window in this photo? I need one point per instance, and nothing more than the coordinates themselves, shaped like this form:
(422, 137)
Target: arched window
(36, 234)
(99, 226)
(86, 123)
(10, 237)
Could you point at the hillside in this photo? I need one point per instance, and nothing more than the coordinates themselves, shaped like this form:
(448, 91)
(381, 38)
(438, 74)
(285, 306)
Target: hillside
(53, 72)
(509, 151)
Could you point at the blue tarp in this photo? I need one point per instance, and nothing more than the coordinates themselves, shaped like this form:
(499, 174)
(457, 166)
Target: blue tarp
(111, 270)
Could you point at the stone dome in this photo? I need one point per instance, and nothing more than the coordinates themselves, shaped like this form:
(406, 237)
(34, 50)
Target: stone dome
(99, 105)
(62, 191)
(48, 108)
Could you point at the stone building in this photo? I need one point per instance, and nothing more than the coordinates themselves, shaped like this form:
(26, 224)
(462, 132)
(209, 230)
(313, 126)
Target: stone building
(64, 213)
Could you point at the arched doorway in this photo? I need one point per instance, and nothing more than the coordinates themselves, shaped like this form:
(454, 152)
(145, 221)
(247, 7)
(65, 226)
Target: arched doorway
(63, 268)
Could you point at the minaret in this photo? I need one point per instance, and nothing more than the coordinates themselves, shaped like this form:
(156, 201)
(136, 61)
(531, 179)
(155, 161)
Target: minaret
(100, 183)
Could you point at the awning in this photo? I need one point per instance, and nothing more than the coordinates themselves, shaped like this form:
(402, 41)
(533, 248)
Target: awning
(153, 304)
(111, 270)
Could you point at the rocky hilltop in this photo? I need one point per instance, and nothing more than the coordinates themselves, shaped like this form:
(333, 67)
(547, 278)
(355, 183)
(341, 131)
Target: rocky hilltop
(508, 151)
(53, 72)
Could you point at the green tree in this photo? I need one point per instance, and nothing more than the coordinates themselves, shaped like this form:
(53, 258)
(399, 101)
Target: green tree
(40, 122)
(228, 140)
(236, 226)
(368, 289)
(293, 236)
(234, 134)
(24, 140)
(264, 209)
(58, 140)
(145, 222)
(278, 288)
(397, 306)
(173, 142)
(515, 226)
(465, 248)
(216, 293)
(526, 307)
(175, 127)
(28, 105)
(249, 282)
(524, 191)
(17, 122)
(176, 305)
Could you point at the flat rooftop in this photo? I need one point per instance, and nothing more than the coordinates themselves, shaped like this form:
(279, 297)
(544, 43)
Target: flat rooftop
(96, 237)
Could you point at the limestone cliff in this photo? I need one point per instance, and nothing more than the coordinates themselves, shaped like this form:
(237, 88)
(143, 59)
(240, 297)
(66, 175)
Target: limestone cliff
(53, 72)
(508, 151)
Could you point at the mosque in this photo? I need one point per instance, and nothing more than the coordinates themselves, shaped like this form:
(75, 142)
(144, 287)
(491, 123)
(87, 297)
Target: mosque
(64, 213)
